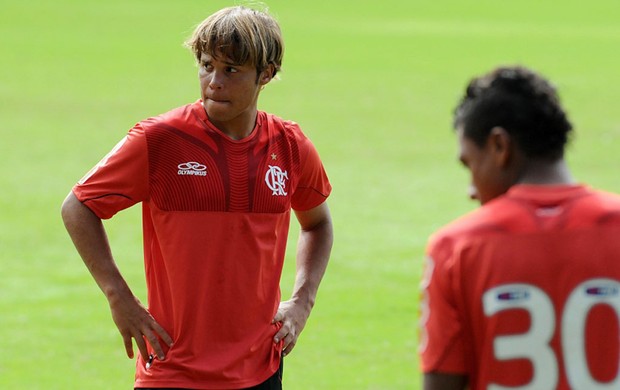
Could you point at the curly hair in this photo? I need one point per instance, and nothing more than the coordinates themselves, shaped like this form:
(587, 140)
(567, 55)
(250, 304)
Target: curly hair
(522, 102)
(242, 34)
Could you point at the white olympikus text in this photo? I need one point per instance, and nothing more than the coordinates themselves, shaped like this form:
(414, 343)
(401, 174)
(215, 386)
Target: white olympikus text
(192, 168)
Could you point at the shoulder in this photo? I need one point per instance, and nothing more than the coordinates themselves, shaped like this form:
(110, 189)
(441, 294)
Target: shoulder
(283, 126)
(607, 200)
(601, 206)
(177, 118)
(443, 242)
(494, 217)
(290, 132)
(482, 218)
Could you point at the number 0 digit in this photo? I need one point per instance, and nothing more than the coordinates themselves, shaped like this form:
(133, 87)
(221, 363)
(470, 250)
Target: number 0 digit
(582, 299)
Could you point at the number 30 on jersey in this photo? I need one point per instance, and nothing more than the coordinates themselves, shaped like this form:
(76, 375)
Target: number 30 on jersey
(534, 345)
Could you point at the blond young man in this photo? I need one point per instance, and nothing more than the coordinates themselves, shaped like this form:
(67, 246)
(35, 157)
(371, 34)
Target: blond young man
(217, 180)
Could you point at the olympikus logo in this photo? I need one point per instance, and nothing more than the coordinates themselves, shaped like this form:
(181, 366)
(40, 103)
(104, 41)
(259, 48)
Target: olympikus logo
(192, 168)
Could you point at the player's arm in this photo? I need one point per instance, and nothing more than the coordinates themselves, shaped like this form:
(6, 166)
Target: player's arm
(131, 318)
(440, 381)
(313, 250)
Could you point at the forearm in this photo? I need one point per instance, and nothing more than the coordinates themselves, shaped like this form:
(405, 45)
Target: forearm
(313, 251)
(90, 239)
(131, 318)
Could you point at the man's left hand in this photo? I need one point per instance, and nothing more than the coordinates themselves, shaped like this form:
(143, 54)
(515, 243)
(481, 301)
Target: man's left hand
(293, 317)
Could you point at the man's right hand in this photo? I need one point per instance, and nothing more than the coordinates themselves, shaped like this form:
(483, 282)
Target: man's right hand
(134, 321)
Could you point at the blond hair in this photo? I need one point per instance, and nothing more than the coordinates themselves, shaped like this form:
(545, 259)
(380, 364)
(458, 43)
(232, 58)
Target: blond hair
(241, 34)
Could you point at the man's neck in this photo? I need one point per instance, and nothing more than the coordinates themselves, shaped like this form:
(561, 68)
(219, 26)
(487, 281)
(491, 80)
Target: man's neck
(542, 172)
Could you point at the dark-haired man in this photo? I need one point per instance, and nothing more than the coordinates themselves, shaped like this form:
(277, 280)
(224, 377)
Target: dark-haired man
(523, 293)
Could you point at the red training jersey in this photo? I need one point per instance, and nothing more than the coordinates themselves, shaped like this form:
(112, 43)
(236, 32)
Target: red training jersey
(524, 292)
(216, 215)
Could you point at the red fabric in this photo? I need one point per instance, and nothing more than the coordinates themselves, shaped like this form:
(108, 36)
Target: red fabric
(538, 246)
(215, 217)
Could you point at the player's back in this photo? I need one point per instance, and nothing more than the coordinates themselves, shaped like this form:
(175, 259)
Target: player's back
(537, 278)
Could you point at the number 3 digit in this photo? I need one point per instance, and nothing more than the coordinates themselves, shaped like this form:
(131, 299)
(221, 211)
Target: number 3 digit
(533, 345)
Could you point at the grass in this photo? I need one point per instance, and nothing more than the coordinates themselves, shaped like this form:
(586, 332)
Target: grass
(372, 83)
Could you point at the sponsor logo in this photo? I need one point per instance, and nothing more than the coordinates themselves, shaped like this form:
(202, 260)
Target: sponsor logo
(514, 295)
(192, 168)
(602, 290)
(276, 180)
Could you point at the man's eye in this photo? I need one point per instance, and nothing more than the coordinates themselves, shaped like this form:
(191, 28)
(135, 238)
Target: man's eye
(230, 69)
(207, 66)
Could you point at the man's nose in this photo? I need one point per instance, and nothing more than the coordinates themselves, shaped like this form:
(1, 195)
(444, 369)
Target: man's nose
(472, 192)
(217, 80)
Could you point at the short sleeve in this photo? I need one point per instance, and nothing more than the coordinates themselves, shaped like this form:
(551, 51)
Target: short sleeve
(313, 187)
(442, 340)
(119, 180)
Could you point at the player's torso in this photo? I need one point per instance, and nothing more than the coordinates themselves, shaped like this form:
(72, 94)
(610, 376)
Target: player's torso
(216, 229)
(197, 169)
(544, 305)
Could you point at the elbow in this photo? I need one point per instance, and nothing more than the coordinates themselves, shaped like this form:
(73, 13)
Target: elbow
(67, 211)
(323, 227)
(71, 210)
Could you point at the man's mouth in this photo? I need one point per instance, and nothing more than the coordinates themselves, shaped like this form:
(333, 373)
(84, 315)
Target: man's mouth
(217, 100)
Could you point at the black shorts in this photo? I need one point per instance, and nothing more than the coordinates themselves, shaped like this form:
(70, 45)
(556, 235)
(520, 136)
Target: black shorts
(273, 383)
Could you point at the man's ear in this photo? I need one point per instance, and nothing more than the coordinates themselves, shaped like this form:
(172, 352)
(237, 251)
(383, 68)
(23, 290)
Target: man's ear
(501, 145)
(267, 75)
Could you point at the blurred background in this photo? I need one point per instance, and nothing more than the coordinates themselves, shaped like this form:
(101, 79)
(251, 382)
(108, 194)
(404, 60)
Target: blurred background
(372, 83)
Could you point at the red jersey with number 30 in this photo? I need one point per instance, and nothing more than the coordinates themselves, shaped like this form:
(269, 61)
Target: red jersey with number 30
(524, 293)
(215, 216)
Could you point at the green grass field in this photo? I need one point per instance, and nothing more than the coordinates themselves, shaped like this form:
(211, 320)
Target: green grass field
(373, 83)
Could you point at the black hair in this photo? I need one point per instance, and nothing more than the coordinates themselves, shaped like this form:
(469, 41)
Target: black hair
(522, 102)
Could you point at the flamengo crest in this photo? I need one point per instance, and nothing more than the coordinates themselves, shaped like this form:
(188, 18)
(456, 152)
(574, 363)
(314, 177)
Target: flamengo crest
(275, 179)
